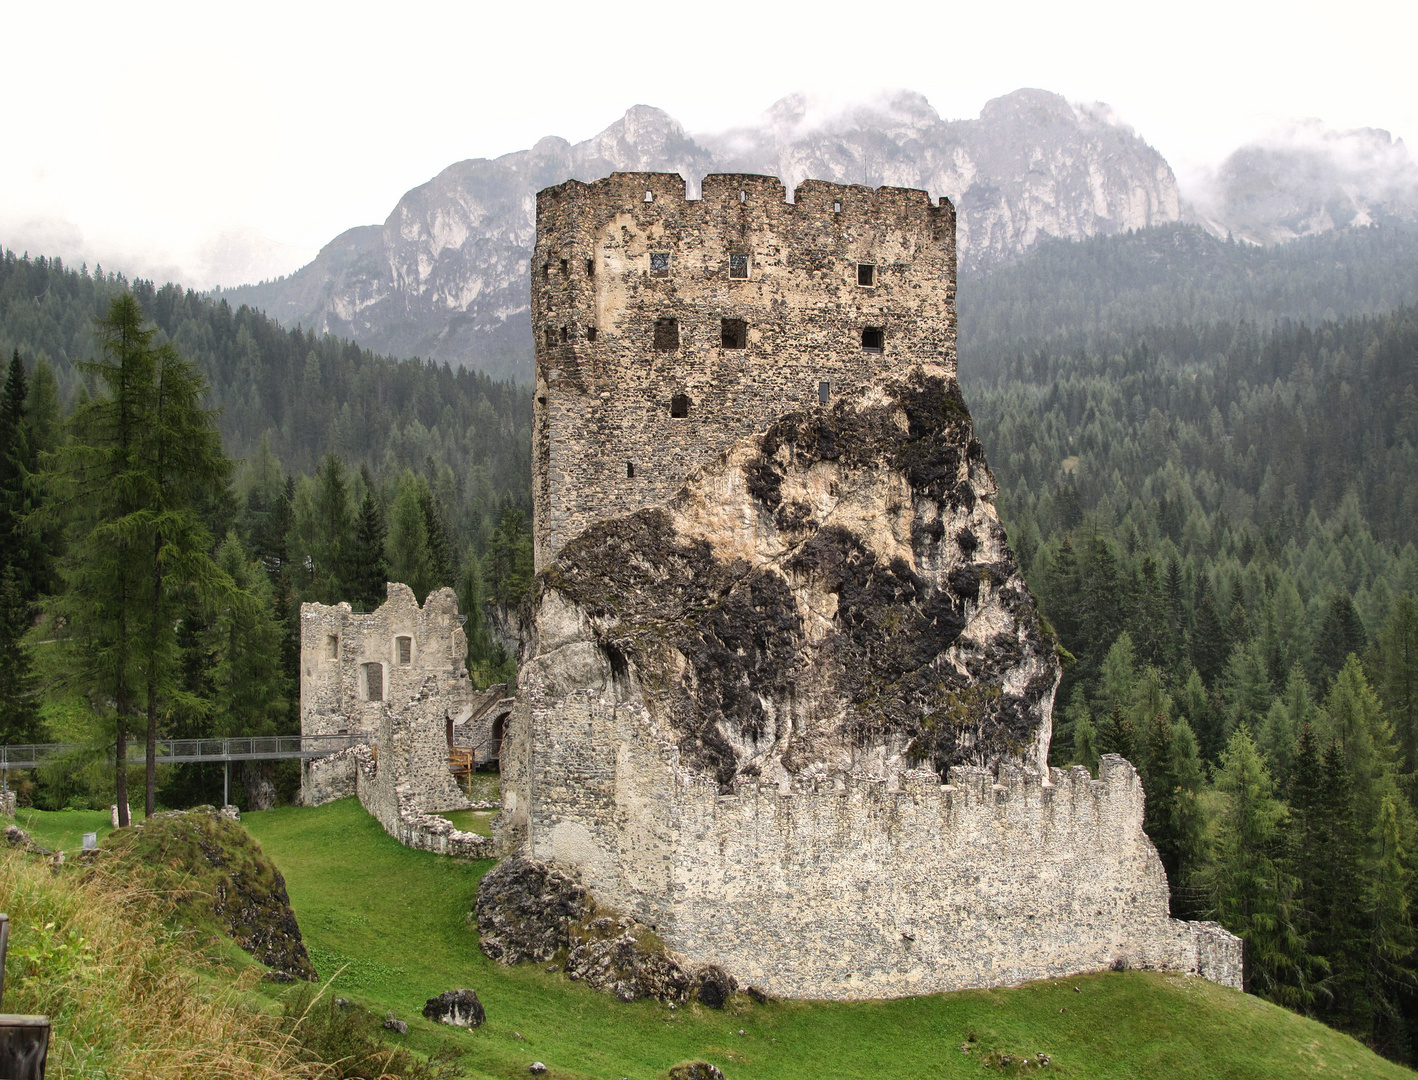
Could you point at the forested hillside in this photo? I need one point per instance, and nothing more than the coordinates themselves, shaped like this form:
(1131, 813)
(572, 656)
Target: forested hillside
(1090, 295)
(1218, 524)
(1214, 507)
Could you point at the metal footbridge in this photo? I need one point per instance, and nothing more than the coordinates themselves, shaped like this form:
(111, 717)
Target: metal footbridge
(181, 751)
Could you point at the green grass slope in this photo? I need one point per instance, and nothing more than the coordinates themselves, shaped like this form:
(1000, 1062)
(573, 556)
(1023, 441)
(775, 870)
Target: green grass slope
(398, 919)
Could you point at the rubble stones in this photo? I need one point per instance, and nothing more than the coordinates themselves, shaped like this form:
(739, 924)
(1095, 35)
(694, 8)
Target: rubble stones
(628, 963)
(461, 1008)
(525, 910)
(696, 1070)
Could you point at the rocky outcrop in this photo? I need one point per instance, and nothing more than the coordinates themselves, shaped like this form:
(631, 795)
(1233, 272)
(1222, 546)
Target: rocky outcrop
(215, 872)
(528, 911)
(525, 911)
(835, 595)
(446, 276)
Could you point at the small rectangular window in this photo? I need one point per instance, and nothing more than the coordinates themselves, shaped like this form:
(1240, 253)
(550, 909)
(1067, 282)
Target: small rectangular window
(738, 266)
(565, 335)
(734, 334)
(836, 207)
(546, 271)
(659, 264)
(374, 682)
(872, 338)
(590, 267)
(866, 274)
(590, 333)
(406, 649)
(630, 470)
(332, 647)
(565, 266)
(666, 335)
(679, 406)
(551, 338)
(824, 391)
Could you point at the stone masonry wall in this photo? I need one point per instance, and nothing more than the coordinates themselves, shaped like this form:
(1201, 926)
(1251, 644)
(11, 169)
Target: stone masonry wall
(841, 887)
(604, 406)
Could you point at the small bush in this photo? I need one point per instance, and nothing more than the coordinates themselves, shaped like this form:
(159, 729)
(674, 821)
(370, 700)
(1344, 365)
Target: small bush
(346, 1037)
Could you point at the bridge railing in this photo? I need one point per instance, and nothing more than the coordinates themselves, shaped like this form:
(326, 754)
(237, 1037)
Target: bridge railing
(175, 751)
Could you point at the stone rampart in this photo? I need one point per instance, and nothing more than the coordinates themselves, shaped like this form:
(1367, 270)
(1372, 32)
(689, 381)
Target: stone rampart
(666, 328)
(839, 886)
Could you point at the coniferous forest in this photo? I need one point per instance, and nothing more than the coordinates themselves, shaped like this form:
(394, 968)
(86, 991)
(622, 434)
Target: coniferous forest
(1213, 497)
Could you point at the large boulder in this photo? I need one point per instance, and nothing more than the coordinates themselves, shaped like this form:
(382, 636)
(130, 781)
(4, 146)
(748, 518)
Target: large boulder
(525, 910)
(461, 1008)
(621, 957)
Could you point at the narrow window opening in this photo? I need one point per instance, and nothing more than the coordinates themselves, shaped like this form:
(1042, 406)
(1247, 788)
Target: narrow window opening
(837, 208)
(590, 267)
(332, 647)
(743, 197)
(824, 391)
(872, 337)
(590, 333)
(659, 264)
(374, 682)
(649, 196)
(738, 266)
(551, 338)
(542, 400)
(866, 274)
(546, 271)
(734, 334)
(679, 406)
(406, 650)
(666, 335)
(630, 470)
(565, 335)
(565, 266)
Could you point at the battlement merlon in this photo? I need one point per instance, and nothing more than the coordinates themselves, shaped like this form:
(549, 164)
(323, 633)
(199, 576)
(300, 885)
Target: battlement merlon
(666, 328)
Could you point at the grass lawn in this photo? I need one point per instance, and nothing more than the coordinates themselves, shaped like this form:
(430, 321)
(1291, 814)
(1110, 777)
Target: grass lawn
(63, 830)
(396, 920)
(474, 821)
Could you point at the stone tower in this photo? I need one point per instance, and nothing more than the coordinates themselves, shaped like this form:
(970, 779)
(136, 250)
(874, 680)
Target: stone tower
(666, 328)
(786, 698)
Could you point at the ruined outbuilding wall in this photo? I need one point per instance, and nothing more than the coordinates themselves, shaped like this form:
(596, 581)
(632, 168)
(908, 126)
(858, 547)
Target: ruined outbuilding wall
(604, 406)
(421, 685)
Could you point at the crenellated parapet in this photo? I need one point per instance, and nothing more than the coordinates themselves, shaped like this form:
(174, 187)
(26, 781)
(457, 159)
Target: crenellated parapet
(667, 327)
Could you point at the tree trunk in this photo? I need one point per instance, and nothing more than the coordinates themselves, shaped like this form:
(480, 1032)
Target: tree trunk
(151, 775)
(150, 801)
(121, 780)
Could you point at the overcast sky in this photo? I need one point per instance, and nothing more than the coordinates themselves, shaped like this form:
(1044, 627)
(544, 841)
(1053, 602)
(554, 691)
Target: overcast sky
(171, 138)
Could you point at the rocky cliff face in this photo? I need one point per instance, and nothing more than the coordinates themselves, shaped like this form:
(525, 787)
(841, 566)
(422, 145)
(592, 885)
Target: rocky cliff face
(446, 276)
(835, 595)
(1305, 180)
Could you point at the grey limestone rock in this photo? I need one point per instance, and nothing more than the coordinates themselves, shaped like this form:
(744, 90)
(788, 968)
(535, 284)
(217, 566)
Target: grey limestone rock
(461, 1008)
(525, 909)
(395, 1025)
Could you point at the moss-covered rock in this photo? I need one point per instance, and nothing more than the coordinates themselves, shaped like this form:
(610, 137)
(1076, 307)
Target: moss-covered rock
(836, 594)
(213, 872)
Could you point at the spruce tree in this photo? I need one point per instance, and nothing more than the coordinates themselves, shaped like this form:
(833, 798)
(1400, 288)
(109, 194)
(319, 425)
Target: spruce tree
(1211, 645)
(1254, 895)
(1340, 633)
(144, 457)
(1397, 665)
(407, 543)
(369, 568)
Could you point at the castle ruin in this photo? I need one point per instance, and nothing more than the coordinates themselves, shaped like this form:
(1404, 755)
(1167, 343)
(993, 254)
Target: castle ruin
(398, 676)
(786, 698)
